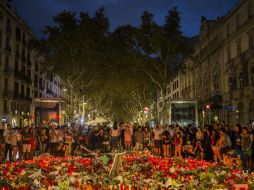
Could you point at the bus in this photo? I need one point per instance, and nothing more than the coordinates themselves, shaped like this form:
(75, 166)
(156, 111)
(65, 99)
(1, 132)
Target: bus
(183, 112)
(48, 110)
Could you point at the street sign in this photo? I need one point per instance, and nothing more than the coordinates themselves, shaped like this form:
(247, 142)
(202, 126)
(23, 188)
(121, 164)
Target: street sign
(230, 107)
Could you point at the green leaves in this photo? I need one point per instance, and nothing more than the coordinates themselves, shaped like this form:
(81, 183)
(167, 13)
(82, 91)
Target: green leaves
(119, 71)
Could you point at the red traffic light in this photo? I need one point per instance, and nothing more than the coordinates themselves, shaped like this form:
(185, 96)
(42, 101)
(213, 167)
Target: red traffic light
(207, 106)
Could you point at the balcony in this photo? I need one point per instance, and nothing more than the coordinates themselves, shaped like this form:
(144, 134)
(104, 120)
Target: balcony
(7, 94)
(22, 97)
(8, 71)
(22, 76)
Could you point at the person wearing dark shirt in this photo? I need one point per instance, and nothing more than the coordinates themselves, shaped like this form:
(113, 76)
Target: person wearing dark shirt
(166, 140)
(27, 136)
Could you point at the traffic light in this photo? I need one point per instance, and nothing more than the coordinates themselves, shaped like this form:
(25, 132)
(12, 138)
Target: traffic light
(207, 106)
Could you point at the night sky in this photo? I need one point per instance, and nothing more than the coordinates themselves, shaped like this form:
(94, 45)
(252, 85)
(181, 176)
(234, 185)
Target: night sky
(38, 13)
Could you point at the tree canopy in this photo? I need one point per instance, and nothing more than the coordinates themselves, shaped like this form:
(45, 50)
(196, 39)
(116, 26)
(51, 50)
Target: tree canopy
(119, 72)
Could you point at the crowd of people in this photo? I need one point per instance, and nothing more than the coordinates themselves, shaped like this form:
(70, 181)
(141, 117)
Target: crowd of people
(232, 145)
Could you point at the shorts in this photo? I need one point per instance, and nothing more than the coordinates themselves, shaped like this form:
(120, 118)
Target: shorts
(26, 147)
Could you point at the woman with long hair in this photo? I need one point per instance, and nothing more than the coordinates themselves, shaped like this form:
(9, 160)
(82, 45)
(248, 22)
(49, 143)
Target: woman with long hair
(214, 145)
(178, 145)
(127, 138)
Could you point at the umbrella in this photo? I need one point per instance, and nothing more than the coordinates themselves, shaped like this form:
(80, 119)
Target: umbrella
(97, 120)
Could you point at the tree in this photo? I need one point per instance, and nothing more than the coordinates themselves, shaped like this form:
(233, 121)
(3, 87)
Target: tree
(117, 72)
(163, 49)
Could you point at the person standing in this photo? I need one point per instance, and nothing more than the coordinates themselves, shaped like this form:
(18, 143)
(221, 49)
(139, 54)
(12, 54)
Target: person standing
(247, 141)
(2, 143)
(215, 145)
(114, 133)
(14, 144)
(7, 140)
(178, 145)
(223, 143)
(42, 140)
(147, 137)
(208, 144)
(27, 136)
(157, 139)
(68, 140)
(19, 142)
(52, 139)
(127, 138)
(166, 140)
(139, 139)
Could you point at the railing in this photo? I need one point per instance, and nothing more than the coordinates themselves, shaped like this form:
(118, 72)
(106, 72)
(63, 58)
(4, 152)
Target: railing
(7, 94)
(22, 76)
(22, 97)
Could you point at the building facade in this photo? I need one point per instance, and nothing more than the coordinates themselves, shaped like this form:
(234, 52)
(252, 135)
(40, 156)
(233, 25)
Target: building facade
(173, 92)
(220, 72)
(222, 67)
(21, 74)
